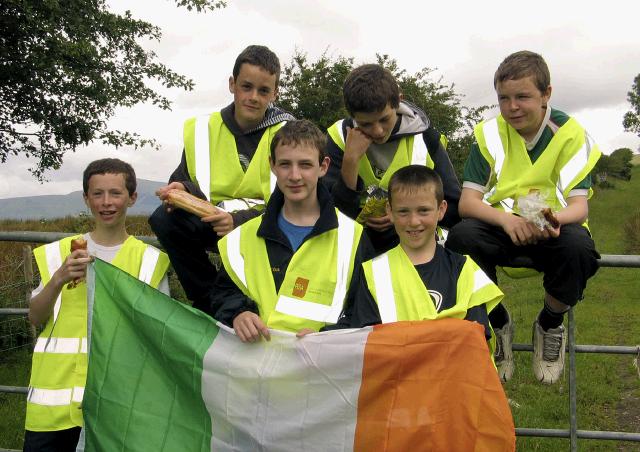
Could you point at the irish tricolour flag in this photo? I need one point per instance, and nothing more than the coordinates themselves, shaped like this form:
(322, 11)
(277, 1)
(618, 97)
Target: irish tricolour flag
(165, 377)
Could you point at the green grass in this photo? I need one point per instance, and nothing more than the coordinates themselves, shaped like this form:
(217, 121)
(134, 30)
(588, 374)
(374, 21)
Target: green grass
(608, 315)
(14, 371)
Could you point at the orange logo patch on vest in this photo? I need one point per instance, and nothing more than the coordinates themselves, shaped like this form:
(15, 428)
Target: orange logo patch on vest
(300, 287)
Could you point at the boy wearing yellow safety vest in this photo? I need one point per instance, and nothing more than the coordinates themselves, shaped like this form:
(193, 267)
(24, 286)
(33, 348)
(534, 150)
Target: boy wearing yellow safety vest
(59, 368)
(383, 134)
(225, 161)
(530, 148)
(289, 269)
(419, 279)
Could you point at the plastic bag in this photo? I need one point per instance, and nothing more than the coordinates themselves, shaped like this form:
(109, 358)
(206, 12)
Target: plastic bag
(375, 204)
(531, 208)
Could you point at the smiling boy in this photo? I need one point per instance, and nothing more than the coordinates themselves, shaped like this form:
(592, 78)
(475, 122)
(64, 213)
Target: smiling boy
(530, 146)
(290, 268)
(383, 134)
(58, 373)
(226, 161)
(419, 279)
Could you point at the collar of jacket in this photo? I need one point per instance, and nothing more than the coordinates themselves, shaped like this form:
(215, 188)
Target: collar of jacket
(269, 229)
(273, 115)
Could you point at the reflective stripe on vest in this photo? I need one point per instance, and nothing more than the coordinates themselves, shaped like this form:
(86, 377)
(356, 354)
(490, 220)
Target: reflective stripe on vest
(494, 145)
(384, 289)
(420, 152)
(55, 397)
(202, 153)
(54, 262)
(315, 311)
(60, 345)
(235, 256)
(148, 265)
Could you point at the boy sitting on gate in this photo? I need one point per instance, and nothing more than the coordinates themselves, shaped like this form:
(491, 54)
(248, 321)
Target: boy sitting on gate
(530, 152)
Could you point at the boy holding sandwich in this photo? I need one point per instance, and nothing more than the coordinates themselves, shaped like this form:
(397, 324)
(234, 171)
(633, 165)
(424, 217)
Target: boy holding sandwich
(59, 368)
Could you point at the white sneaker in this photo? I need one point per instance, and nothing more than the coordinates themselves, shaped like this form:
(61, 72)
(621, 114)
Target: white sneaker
(548, 353)
(503, 355)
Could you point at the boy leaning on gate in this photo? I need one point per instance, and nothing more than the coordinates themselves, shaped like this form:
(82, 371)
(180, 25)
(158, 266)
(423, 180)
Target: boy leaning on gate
(59, 369)
(530, 153)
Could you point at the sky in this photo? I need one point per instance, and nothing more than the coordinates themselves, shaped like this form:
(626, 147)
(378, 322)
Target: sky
(593, 53)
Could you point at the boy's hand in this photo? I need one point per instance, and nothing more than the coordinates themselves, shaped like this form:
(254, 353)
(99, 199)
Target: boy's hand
(74, 267)
(521, 231)
(552, 232)
(379, 223)
(249, 327)
(304, 331)
(162, 193)
(221, 221)
(356, 144)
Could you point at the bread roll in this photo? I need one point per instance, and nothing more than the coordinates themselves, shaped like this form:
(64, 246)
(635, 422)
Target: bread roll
(77, 244)
(186, 201)
(551, 218)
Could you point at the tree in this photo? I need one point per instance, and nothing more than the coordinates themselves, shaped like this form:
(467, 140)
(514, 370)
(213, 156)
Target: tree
(617, 165)
(65, 66)
(631, 120)
(313, 90)
(443, 107)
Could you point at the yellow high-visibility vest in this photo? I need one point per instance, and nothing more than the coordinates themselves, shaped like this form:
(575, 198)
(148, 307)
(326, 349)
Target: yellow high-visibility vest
(315, 284)
(213, 163)
(411, 150)
(401, 294)
(59, 366)
(567, 160)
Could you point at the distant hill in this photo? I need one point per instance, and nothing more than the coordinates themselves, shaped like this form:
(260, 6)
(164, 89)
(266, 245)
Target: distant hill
(58, 206)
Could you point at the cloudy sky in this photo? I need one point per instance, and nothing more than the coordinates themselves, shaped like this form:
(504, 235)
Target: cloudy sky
(593, 54)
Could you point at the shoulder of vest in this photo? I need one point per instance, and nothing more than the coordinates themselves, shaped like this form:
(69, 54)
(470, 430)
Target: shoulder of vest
(431, 138)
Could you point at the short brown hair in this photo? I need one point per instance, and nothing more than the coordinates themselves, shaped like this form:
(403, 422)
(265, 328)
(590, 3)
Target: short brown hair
(370, 88)
(300, 131)
(110, 166)
(413, 177)
(260, 56)
(524, 64)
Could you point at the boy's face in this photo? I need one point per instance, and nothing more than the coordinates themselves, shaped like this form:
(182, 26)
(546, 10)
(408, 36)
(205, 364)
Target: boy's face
(108, 199)
(377, 125)
(297, 171)
(253, 90)
(415, 214)
(522, 105)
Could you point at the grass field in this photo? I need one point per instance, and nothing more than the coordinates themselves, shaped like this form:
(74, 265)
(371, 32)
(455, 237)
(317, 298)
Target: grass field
(609, 386)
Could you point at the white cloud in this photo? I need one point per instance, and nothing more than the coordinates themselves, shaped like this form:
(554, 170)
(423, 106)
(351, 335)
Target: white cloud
(592, 52)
